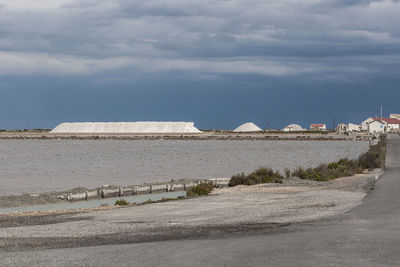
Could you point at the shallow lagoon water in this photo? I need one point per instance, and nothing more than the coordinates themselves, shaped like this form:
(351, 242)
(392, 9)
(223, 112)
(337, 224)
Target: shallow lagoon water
(137, 199)
(33, 166)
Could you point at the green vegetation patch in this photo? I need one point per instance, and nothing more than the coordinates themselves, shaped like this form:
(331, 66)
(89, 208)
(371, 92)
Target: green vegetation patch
(200, 190)
(260, 176)
(121, 202)
(326, 172)
(375, 156)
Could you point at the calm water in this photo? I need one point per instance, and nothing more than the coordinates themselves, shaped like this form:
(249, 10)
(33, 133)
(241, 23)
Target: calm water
(31, 166)
(138, 199)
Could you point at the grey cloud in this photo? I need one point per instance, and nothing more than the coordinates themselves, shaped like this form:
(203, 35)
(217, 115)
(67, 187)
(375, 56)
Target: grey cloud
(292, 36)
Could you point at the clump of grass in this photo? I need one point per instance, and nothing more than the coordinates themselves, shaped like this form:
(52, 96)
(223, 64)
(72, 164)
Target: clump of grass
(326, 172)
(288, 173)
(260, 176)
(237, 179)
(121, 202)
(200, 190)
(375, 156)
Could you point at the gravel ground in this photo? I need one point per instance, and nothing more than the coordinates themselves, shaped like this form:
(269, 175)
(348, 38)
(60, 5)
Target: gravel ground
(227, 209)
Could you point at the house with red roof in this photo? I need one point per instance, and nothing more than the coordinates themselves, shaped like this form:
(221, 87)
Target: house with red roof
(392, 124)
(317, 127)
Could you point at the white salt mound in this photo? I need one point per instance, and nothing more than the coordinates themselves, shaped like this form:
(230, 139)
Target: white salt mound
(293, 127)
(248, 127)
(126, 127)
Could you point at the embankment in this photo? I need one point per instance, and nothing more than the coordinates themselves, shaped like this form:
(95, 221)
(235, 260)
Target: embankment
(208, 135)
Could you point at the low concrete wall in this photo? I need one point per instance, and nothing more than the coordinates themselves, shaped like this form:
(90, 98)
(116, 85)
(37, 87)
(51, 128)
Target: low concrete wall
(159, 188)
(143, 190)
(92, 194)
(128, 191)
(220, 182)
(178, 187)
(105, 192)
(79, 196)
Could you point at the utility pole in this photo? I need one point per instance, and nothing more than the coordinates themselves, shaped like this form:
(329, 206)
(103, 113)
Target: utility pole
(334, 123)
(381, 113)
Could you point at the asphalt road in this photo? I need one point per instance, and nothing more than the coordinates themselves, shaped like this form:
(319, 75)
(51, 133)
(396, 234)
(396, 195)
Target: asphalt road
(367, 235)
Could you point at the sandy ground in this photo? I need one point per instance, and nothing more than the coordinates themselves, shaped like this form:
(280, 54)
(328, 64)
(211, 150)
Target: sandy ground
(227, 209)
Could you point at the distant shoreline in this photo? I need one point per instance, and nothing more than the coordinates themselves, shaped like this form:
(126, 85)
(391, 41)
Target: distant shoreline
(208, 135)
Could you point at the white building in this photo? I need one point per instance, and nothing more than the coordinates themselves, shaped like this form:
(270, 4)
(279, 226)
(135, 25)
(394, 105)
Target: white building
(317, 127)
(393, 124)
(350, 127)
(293, 128)
(364, 124)
(342, 128)
(377, 126)
(353, 127)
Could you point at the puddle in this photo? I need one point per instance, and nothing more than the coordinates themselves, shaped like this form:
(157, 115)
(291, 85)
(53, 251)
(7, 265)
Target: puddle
(138, 199)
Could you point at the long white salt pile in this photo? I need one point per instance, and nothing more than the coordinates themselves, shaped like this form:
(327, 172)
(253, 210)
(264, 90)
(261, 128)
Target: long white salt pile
(248, 127)
(126, 127)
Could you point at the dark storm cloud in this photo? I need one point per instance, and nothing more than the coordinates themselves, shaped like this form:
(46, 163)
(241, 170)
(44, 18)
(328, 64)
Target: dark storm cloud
(277, 38)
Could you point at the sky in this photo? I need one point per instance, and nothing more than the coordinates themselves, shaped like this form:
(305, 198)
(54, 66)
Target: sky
(217, 63)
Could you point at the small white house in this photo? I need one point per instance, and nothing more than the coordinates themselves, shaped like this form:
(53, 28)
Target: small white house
(393, 124)
(317, 127)
(377, 126)
(353, 127)
(342, 128)
(350, 127)
(364, 124)
(293, 128)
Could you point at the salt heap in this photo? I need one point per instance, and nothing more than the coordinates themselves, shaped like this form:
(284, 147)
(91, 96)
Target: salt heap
(293, 128)
(248, 127)
(126, 127)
